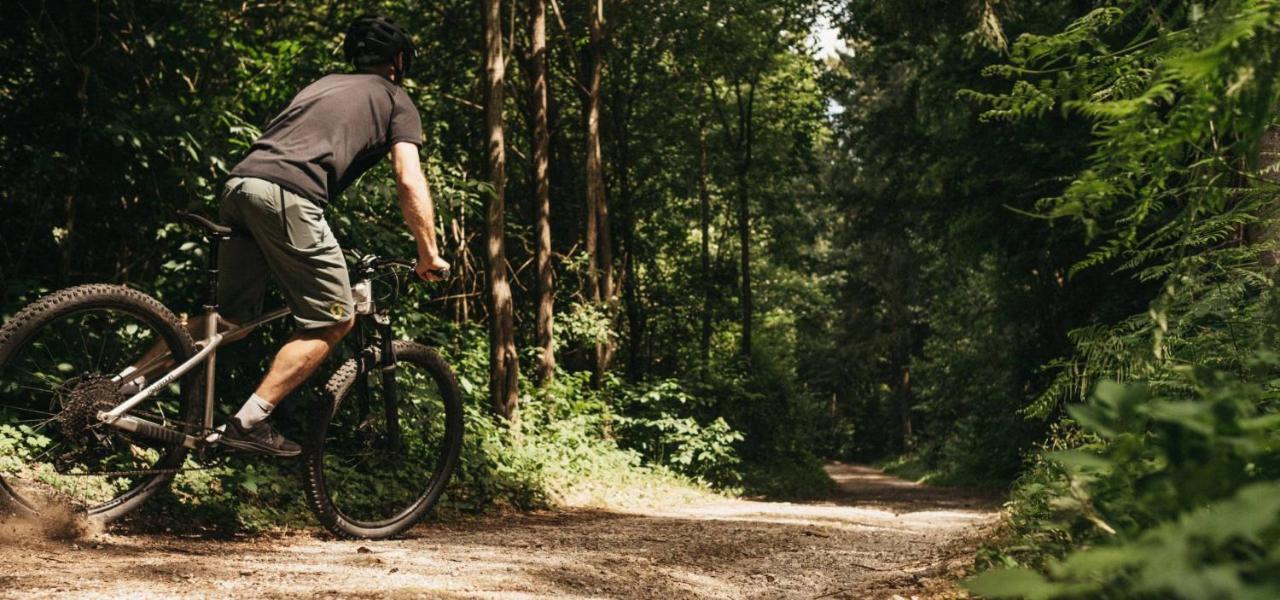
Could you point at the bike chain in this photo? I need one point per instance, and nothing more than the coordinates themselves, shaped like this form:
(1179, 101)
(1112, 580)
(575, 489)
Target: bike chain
(137, 473)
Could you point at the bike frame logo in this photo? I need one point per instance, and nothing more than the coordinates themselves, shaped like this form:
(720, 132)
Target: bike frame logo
(338, 310)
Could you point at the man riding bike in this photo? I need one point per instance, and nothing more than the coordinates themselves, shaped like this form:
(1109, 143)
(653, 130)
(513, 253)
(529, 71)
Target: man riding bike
(332, 132)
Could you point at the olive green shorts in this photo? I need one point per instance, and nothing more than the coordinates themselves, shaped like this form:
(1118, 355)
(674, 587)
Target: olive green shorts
(290, 241)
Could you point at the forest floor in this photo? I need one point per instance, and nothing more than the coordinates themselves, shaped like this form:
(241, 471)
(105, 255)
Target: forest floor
(875, 537)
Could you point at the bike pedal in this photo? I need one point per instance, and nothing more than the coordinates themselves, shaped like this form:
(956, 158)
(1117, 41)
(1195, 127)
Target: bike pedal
(212, 449)
(214, 436)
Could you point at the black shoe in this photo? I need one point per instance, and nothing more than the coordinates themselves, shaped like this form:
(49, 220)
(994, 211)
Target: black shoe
(261, 439)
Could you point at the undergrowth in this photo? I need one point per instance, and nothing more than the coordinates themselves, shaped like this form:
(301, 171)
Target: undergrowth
(1162, 482)
(1162, 496)
(615, 445)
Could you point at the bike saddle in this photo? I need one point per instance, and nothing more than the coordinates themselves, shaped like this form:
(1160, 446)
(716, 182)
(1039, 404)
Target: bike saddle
(208, 226)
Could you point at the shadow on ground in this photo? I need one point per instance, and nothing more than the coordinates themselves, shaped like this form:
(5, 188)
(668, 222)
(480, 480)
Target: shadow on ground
(858, 485)
(876, 537)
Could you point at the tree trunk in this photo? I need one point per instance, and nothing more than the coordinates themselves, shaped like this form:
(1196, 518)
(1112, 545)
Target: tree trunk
(704, 223)
(599, 245)
(636, 366)
(504, 366)
(1267, 229)
(638, 361)
(904, 403)
(744, 241)
(746, 137)
(747, 127)
(541, 146)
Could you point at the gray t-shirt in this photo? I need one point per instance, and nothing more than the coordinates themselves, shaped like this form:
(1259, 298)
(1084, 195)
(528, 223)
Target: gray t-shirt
(331, 133)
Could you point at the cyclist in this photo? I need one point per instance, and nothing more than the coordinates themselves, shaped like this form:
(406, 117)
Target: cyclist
(332, 131)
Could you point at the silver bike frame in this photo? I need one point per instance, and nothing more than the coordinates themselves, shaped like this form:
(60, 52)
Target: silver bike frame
(119, 417)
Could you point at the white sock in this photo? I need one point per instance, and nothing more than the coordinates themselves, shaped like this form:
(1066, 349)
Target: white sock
(254, 411)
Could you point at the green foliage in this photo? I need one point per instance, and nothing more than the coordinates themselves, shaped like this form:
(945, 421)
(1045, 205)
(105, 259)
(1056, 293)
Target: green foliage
(1224, 550)
(586, 323)
(654, 422)
(975, 325)
(565, 442)
(787, 477)
(1171, 497)
(1155, 488)
(116, 113)
(948, 298)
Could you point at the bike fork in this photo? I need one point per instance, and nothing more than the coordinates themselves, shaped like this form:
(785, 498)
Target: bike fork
(391, 399)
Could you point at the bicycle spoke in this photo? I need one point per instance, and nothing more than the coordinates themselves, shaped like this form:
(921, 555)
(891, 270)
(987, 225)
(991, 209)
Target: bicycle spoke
(84, 344)
(65, 369)
(69, 354)
(40, 423)
(370, 482)
(52, 361)
(102, 348)
(48, 450)
(146, 367)
(30, 410)
(38, 390)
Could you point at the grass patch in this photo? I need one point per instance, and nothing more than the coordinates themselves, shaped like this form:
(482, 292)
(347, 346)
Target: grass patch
(913, 467)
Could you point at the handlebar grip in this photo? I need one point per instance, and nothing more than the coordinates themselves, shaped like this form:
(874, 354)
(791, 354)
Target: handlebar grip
(412, 265)
(443, 273)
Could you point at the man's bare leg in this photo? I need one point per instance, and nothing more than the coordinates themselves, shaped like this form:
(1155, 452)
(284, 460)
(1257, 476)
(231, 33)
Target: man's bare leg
(298, 358)
(295, 361)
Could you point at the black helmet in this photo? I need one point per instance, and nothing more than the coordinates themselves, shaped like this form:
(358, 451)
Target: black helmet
(373, 37)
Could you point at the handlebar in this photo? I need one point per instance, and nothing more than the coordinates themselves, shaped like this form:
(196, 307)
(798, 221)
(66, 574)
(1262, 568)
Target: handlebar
(373, 262)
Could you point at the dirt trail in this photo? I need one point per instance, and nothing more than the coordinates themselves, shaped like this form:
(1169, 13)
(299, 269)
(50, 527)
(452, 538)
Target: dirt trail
(877, 537)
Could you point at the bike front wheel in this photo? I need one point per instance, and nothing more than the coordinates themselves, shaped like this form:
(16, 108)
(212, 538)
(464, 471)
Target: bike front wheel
(381, 452)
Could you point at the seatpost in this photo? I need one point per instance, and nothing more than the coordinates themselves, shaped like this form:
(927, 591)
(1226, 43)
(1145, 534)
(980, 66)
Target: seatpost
(211, 327)
(211, 298)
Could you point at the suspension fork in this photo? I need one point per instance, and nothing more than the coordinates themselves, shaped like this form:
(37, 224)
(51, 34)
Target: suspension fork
(365, 358)
(390, 391)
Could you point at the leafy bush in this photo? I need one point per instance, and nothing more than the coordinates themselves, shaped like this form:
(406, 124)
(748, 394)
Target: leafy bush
(563, 447)
(1169, 498)
(1229, 549)
(798, 477)
(655, 421)
(1158, 488)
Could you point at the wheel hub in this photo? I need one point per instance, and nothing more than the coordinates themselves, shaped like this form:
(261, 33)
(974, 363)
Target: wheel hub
(80, 406)
(81, 401)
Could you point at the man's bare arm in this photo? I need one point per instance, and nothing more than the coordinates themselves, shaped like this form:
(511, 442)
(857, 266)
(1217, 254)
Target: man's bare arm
(418, 210)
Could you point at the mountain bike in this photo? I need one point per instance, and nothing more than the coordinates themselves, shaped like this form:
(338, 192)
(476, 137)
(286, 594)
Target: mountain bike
(380, 447)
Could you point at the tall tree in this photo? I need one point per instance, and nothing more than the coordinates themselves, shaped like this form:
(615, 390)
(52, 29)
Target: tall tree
(749, 38)
(599, 242)
(704, 227)
(742, 141)
(541, 146)
(504, 365)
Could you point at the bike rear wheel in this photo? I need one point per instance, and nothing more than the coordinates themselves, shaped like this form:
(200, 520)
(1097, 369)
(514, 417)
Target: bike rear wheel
(60, 360)
(372, 473)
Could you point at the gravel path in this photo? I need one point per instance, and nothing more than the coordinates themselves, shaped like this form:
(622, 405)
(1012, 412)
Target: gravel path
(877, 537)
